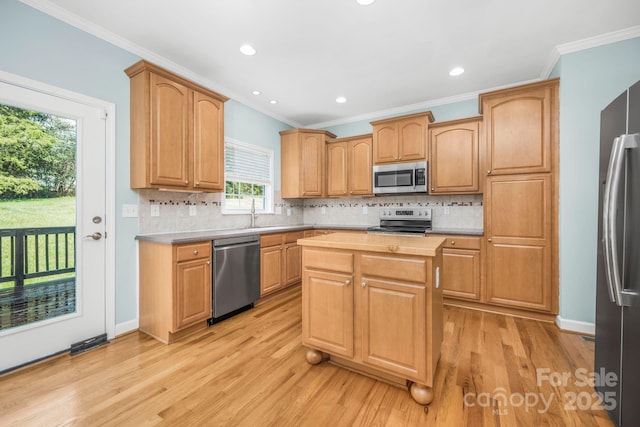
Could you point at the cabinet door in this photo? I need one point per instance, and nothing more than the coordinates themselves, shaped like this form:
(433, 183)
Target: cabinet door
(313, 149)
(169, 145)
(385, 143)
(337, 178)
(393, 327)
(360, 167)
(412, 134)
(454, 158)
(519, 131)
(270, 269)
(327, 312)
(192, 299)
(293, 264)
(461, 269)
(518, 245)
(208, 142)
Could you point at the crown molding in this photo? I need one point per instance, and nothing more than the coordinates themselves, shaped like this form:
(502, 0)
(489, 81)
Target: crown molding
(74, 20)
(588, 43)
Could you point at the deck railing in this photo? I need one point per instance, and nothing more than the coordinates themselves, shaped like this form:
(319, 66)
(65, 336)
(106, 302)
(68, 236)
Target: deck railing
(37, 274)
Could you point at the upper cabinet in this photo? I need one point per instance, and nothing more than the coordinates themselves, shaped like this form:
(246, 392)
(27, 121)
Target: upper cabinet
(303, 162)
(454, 154)
(401, 139)
(177, 132)
(519, 127)
(349, 166)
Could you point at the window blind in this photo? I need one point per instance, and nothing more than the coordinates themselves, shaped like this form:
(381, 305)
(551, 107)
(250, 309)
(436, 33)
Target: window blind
(246, 164)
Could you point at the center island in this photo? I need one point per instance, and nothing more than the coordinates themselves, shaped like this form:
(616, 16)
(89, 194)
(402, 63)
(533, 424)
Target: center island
(372, 303)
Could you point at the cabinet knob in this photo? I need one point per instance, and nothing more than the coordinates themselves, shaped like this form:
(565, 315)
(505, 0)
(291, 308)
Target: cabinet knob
(363, 284)
(400, 158)
(489, 172)
(197, 184)
(208, 262)
(187, 182)
(453, 242)
(347, 282)
(433, 189)
(489, 239)
(196, 252)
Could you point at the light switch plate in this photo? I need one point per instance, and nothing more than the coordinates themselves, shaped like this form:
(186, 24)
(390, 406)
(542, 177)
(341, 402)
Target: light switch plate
(129, 211)
(365, 210)
(155, 210)
(278, 210)
(323, 210)
(193, 211)
(447, 210)
(288, 212)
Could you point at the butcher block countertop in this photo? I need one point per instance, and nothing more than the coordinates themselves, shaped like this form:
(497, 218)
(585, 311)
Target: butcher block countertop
(384, 243)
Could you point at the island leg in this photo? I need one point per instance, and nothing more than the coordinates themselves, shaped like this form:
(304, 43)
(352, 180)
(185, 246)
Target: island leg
(421, 393)
(314, 356)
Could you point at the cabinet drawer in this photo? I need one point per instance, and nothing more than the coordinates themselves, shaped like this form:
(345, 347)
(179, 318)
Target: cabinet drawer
(328, 260)
(409, 269)
(193, 251)
(267, 240)
(459, 242)
(293, 236)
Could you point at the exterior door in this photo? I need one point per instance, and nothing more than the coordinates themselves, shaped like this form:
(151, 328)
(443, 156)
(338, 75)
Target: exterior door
(85, 318)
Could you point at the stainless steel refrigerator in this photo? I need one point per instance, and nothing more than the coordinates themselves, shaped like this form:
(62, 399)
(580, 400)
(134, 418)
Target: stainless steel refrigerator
(617, 355)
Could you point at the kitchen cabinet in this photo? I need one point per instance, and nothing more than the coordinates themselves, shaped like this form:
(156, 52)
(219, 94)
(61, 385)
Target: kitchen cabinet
(461, 262)
(280, 261)
(377, 313)
(349, 167)
(303, 162)
(401, 139)
(454, 156)
(521, 128)
(175, 288)
(177, 132)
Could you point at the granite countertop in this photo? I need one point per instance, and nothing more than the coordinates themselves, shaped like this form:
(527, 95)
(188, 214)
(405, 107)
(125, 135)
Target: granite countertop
(203, 235)
(385, 243)
(460, 231)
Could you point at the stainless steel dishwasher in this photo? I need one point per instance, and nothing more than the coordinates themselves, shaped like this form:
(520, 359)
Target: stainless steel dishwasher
(236, 275)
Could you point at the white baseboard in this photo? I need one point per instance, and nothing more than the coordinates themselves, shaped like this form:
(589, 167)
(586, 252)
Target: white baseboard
(124, 327)
(576, 326)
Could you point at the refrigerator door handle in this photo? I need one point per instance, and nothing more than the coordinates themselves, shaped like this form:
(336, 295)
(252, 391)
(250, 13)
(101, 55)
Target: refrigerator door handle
(622, 296)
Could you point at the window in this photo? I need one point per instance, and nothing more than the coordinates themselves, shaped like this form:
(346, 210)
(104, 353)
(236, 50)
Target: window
(248, 174)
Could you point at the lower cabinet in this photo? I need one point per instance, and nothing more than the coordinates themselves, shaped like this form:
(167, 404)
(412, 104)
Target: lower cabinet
(379, 313)
(280, 261)
(175, 288)
(461, 262)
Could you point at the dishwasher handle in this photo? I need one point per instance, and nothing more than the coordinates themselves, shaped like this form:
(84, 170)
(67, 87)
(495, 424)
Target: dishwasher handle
(234, 246)
(236, 241)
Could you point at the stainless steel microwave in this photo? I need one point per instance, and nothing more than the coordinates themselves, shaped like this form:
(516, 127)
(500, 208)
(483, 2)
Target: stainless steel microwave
(400, 178)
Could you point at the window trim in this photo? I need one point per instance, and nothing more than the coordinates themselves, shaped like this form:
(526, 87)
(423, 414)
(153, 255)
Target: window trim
(269, 190)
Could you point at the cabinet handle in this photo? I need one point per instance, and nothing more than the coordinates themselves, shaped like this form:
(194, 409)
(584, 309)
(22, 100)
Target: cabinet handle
(489, 172)
(453, 242)
(363, 284)
(400, 158)
(187, 182)
(196, 252)
(347, 282)
(489, 239)
(197, 184)
(208, 262)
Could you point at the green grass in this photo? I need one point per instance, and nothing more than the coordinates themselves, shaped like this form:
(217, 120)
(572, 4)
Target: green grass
(59, 211)
(53, 212)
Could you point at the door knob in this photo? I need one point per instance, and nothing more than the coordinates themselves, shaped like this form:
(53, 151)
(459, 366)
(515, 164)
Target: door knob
(94, 236)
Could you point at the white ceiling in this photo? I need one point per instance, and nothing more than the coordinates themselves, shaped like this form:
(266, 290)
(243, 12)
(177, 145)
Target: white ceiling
(391, 54)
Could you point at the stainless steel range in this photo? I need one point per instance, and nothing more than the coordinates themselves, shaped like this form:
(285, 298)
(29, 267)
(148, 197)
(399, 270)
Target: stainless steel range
(411, 221)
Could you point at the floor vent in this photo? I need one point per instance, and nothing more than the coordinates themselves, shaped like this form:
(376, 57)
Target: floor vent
(587, 338)
(82, 346)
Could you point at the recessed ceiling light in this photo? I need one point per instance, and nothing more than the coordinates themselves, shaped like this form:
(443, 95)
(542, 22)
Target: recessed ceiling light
(365, 2)
(341, 100)
(456, 71)
(247, 49)
(273, 101)
(256, 92)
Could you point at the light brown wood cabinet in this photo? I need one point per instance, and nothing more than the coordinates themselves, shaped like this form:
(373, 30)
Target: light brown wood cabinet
(379, 313)
(461, 264)
(280, 261)
(454, 156)
(177, 132)
(400, 139)
(349, 166)
(175, 288)
(303, 162)
(521, 197)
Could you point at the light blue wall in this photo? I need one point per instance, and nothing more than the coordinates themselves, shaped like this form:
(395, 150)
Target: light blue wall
(589, 81)
(248, 125)
(39, 47)
(441, 113)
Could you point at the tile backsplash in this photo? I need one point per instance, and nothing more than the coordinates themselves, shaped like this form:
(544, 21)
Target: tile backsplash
(464, 211)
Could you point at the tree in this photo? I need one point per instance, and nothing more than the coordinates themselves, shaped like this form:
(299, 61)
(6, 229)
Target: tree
(37, 154)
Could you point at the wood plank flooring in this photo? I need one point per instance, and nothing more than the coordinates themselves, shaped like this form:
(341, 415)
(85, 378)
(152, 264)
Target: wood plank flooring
(250, 370)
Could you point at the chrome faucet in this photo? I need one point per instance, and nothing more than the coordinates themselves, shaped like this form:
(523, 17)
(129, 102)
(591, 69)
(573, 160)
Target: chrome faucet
(253, 213)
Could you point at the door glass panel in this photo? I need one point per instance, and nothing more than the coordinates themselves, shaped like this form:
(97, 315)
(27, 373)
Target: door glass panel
(37, 216)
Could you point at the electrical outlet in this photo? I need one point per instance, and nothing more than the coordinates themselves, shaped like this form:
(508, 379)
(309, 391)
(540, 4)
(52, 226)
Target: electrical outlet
(447, 210)
(278, 210)
(288, 212)
(365, 210)
(193, 211)
(155, 210)
(323, 210)
(129, 211)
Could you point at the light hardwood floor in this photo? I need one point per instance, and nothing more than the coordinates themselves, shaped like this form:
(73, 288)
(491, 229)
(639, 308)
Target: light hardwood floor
(250, 370)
